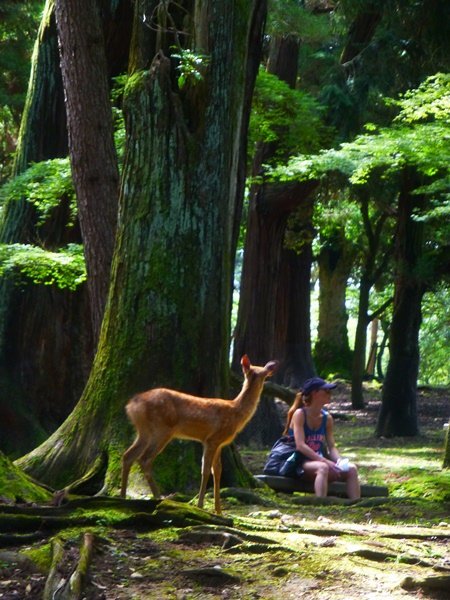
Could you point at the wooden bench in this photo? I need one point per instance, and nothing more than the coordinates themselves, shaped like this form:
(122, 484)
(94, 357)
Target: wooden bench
(337, 488)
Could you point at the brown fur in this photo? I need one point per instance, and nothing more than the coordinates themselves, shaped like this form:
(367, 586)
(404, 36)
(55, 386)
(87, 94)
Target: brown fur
(160, 415)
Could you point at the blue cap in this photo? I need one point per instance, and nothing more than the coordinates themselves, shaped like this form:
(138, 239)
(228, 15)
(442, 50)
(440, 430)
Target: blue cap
(316, 383)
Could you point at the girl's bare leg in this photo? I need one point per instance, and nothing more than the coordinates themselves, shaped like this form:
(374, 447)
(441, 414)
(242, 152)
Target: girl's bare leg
(318, 472)
(352, 481)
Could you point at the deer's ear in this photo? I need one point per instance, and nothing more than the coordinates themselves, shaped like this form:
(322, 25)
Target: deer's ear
(245, 362)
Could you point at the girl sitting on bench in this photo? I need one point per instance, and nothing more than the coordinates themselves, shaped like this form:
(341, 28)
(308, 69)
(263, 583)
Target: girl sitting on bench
(316, 452)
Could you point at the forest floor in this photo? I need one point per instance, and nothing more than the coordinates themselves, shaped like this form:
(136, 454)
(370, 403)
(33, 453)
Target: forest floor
(273, 546)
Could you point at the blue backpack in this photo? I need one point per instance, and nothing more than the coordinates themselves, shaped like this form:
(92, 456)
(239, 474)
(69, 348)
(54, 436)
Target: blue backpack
(284, 460)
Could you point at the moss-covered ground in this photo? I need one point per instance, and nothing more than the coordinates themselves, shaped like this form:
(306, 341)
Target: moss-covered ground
(267, 545)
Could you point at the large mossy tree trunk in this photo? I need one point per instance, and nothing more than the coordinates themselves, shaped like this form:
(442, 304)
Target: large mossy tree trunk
(45, 352)
(398, 412)
(46, 340)
(167, 316)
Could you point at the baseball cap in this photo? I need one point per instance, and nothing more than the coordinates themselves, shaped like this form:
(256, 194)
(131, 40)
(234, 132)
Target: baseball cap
(316, 383)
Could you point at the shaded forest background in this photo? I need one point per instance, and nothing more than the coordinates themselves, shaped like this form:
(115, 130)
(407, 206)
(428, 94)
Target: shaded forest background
(205, 207)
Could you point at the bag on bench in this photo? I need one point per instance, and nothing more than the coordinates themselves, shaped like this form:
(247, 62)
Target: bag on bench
(284, 460)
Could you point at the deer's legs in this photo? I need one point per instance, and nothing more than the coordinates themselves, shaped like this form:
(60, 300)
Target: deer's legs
(217, 474)
(211, 463)
(209, 454)
(134, 452)
(146, 463)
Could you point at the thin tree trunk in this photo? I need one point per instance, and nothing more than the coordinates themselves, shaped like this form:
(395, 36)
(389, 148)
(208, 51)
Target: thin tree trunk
(91, 141)
(398, 413)
(370, 367)
(359, 351)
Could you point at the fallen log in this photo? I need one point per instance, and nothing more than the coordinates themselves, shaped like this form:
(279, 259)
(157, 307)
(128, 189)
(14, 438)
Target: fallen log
(289, 485)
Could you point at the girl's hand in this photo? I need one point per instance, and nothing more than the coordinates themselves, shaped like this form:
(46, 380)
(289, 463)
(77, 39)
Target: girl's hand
(333, 466)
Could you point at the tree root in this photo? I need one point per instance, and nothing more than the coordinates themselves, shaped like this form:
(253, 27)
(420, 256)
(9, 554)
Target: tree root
(380, 556)
(433, 583)
(58, 587)
(117, 512)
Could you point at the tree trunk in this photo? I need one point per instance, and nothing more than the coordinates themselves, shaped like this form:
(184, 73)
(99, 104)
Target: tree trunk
(371, 362)
(43, 130)
(167, 317)
(39, 368)
(374, 266)
(398, 413)
(362, 31)
(273, 317)
(93, 157)
(359, 351)
(332, 351)
(46, 343)
(446, 461)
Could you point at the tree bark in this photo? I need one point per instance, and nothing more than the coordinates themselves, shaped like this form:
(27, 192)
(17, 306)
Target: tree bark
(446, 461)
(39, 368)
(332, 351)
(398, 412)
(374, 266)
(362, 31)
(167, 317)
(273, 317)
(91, 142)
(46, 343)
(359, 352)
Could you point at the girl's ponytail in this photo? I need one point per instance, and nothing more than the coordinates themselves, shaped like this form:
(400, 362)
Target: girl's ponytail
(298, 403)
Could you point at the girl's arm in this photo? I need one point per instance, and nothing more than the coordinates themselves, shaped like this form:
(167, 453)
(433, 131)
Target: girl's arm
(331, 444)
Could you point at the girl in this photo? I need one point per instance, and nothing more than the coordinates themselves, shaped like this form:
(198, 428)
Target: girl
(312, 427)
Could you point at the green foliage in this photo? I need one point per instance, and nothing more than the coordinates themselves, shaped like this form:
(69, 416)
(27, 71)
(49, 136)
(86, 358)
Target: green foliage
(43, 184)
(289, 117)
(435, 338)
(8, 131)
(431, 100)
(385, 153)
(290, 17)
(65, 268)
(117, 92)
(19, 23)
(192, 66)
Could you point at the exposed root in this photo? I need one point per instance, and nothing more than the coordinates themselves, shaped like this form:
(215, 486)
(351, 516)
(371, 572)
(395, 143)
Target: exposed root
(59, 585)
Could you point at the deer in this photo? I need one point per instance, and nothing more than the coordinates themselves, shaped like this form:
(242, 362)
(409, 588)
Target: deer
(160, 415)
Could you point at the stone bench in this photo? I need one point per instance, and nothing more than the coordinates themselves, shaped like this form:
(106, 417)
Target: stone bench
(337, 488)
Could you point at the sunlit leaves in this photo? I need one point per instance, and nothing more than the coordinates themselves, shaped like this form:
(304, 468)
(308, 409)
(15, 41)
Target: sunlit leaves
(431, 100)
(43, 184)
(65, 268)
(435, 338)
(289, 117)
(191, 67)
(413, 140)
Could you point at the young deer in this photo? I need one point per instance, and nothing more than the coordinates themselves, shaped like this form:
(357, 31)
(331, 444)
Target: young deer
(161, 415)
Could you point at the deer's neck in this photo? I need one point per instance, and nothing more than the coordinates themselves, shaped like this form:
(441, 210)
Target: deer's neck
(246, 401)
